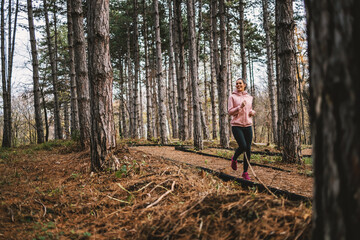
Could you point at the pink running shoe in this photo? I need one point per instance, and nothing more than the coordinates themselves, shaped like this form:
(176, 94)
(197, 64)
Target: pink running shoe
(245, 176)
(233, 164)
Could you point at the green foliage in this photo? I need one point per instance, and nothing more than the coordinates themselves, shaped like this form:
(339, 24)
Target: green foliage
(224, 153)
(50, 145)
(307, 160)
(75, 136)
(122, 172)
(75, 175)
(45, 227)
(4, 154)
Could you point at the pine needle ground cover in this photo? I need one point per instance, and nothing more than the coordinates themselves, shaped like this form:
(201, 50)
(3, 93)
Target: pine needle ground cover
(50, 193)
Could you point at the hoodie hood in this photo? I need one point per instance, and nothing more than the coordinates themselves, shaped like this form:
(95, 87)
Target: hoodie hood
(240, 93)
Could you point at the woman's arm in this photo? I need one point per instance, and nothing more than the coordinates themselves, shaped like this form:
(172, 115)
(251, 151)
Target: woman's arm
(251, 112)
(233, 110)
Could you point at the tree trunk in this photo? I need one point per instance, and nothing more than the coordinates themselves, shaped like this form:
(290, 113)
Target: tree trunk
(81, 69)
(155, 107)
(206, 109)
(130, 101)
(73, 104)
(222, 81)
(198, 137)
(242, 40)
(159, 75)
(334, 88)
(189, 103)
(122, 105)
(204, 113)
(279, 86)
(170, 100)
(213, 62)
(58, 129)
(45, 115)
(181, 75)
(6, 141)
(149, 133)
(35, 65)
(101, 79)
(290, 122)
(252, 91)
(135, 101)
(6, 76)
(172, 76)
(302, 122)
(66, 119)
(10, 65)
(270, 67)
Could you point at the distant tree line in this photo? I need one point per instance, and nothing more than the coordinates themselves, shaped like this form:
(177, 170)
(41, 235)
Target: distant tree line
(173, 65)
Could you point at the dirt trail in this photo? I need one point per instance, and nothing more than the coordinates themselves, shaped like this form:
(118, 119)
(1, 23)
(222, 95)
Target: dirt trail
(51, 194)
(289, 181)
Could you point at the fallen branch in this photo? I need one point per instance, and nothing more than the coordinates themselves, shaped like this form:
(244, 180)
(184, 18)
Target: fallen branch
(12, 214)
(144, 187)
(119, 200)
(252, 170)
(162, 196)
(158, 185)
(124, 188)
(200, 227)
(38, 201)
(185, 212)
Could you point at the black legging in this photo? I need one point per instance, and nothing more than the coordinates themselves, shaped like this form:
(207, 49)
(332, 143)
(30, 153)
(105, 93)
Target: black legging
(243, 137)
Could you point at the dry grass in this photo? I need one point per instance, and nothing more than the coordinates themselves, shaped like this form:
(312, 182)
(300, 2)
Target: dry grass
(51, 194)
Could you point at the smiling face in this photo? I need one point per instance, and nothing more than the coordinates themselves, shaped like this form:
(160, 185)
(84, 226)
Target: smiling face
(240, 85)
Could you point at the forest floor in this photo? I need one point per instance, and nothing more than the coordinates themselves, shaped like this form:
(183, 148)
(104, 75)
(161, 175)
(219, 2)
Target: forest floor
(48, 192)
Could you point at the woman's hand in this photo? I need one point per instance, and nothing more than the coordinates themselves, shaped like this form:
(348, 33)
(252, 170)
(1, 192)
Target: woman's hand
(243, 104)
(252, 113)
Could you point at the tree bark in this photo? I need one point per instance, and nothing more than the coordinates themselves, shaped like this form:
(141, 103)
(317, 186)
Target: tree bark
(101, 79)
(81, 69)
(334, 88)
(58, 129)
(135, 101)
(172, 76)
(132, 130)
(198, 137)
(222, 81)
(291, 150)
(45, 115)
(73, 104)
(181, 75)
(6, 76)
(66, 119)
(213, 66)
(149, 133)
(159, 75)
(122, 105)
(10, 65)
(270, 67)
(6, 141)
(205, 116)
(299, 81)
(242, 40)
(279, 86)
(189, 103)
(35, 65)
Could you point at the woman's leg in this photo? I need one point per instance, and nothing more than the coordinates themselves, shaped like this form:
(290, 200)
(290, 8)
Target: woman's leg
(240, 139)
(248, 135)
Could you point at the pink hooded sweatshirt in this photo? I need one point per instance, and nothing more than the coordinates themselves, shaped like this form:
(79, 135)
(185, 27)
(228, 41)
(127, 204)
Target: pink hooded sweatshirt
(240, 115)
